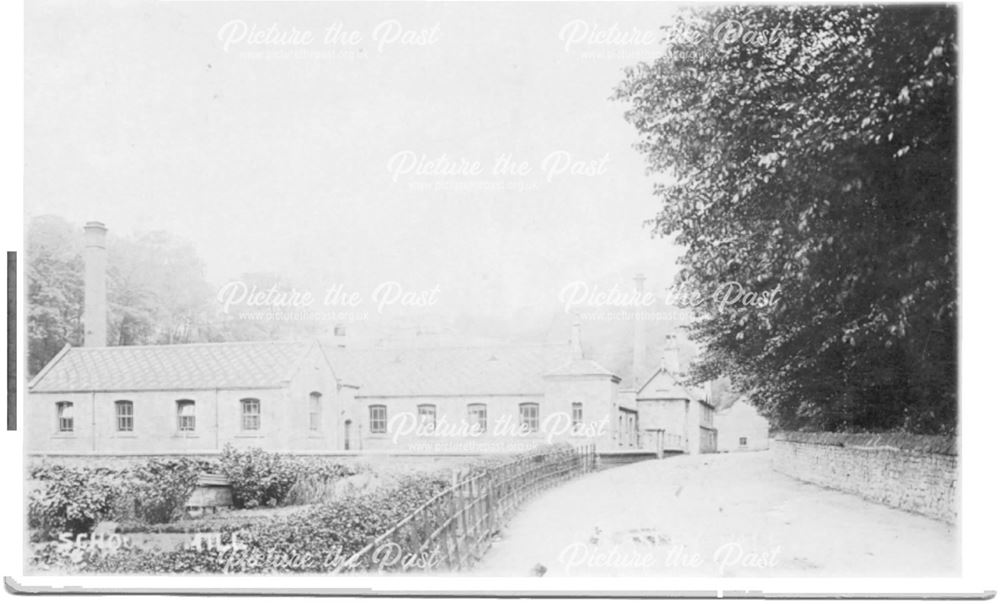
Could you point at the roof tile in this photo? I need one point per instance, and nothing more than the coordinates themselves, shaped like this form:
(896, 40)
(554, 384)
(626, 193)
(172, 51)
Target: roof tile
(172, 367)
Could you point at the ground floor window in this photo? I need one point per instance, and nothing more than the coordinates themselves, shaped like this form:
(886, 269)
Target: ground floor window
(577, 415)
(376, 419)
(64, 416)
(477, 417)
(427, 414)
(529, 416)
(185, 416)
(123, 416)
(743, 441)
(315, 411)
(250, 415)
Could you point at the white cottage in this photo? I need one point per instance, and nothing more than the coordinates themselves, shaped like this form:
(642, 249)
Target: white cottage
(742, 428)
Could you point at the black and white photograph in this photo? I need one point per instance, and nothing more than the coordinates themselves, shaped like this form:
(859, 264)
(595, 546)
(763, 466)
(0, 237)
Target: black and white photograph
(545, 292)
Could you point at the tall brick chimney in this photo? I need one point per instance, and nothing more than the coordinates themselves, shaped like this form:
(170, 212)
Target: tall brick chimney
(638, 339)
(95, 293)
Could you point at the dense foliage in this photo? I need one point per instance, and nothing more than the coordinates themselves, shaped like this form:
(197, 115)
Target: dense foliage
(818, 159)
(72, 499)
(76, 499)
(258, 478)
(263, 479)
(317, 538)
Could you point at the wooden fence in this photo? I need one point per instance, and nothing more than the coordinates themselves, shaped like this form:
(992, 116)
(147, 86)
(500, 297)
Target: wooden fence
(452, 530)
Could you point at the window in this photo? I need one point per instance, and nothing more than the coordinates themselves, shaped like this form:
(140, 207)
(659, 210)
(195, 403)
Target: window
(123, 416)
(64, 416)
(577, 414)
(477, 417)
(315, 411)
(376, 419)
(743, 441)
(185, 416)
(529, 416)
(250, 415)
(427, 415)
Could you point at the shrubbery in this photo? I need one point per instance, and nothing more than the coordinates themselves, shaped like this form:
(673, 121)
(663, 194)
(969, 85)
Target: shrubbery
(315, 539)
(76, 499)
(257, 477)
(72, 499)
(156, 491)
(311, 540)
(267, 479)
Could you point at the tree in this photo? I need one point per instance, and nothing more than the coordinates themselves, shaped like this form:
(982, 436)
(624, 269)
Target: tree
(157, 293)
(157, 290)
(821, 160)
(54, 275)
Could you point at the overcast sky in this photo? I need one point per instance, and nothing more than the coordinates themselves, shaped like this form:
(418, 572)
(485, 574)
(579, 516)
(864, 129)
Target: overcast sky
(173, 116)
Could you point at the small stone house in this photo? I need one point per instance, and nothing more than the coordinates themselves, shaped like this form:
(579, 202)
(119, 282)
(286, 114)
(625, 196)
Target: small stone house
(742, 428)
(670, 414)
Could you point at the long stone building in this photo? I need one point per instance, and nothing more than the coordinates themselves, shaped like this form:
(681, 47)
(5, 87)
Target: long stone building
(324, 397)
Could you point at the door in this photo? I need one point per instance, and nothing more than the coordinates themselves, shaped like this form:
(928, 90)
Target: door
(347, 435)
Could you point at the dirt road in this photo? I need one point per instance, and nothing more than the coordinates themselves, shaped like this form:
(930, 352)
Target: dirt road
(715, 515)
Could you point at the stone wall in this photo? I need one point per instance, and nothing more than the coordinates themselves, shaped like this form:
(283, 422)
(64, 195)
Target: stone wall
(914, 473)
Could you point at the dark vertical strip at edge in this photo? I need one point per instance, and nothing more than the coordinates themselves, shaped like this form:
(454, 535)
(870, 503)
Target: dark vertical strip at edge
(11, 340)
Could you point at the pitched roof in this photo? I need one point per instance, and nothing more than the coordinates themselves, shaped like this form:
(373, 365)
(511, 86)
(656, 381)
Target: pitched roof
(447, 371)
(171, 367)
(415, 371)
(582, 367)
(663, 385)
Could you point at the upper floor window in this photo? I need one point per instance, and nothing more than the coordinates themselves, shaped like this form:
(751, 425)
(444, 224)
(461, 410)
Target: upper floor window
(123, 416)
(64, 416)
(477, 417)
(427, 415)
(577, 414)
(529, 416)
(376, 419)
(315, 411)
(250, 415)
(185, 416)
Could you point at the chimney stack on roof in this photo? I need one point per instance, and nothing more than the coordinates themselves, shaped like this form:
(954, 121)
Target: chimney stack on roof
(576, 346)
(671, 362)
(95, 294)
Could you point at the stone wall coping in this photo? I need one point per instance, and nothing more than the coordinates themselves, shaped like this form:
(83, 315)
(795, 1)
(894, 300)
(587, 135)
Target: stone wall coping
(918, 443)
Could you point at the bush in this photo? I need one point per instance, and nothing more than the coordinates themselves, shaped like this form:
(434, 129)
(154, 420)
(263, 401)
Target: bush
(258, 478)
(72, 499)
(316, 480)
(76, 499)
(158, 489)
